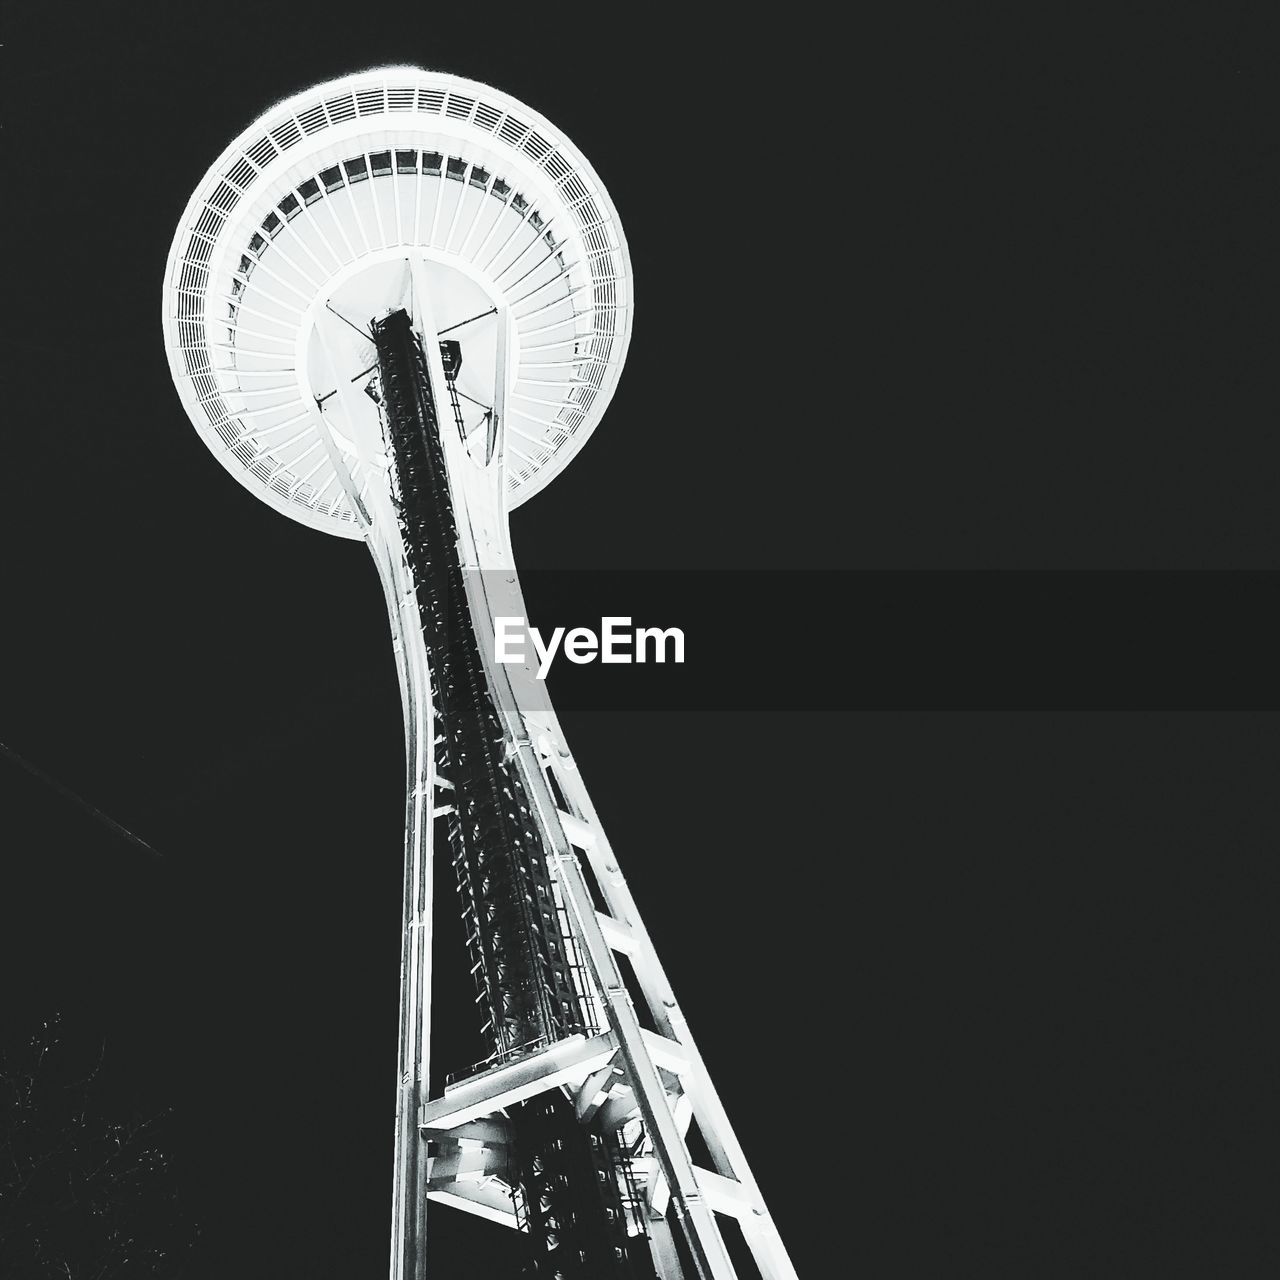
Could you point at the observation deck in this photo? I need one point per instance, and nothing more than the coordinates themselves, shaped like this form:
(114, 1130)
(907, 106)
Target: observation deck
(301, 234)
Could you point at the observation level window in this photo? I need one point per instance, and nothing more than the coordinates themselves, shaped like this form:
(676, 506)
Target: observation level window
(406, 162)
(381, 163)
(457, 168)
(357, 169)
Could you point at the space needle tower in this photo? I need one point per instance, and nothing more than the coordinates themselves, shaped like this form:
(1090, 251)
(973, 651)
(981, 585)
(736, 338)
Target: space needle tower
(395, 308)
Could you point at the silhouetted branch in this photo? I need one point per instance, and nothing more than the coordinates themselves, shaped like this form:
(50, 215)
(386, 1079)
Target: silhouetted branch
(83, 1195)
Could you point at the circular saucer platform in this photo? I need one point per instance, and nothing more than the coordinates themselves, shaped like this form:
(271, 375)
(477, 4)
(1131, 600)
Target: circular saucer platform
(308, 221)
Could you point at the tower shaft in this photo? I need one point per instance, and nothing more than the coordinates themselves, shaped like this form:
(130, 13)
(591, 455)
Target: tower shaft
(577, 1129)
(567, 1176)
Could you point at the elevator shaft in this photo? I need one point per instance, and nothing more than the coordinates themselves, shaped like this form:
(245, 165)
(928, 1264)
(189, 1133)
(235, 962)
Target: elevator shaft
(570, 1180)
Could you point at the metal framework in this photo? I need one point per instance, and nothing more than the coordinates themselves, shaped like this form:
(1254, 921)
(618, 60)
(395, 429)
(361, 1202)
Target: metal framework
(365, 297)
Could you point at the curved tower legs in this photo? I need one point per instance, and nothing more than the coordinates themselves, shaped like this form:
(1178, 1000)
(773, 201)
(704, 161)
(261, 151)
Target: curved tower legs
(408, 1224)
(377, 519)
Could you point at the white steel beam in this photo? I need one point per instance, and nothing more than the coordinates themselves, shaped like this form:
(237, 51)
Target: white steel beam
(493, 1131)
(618, 935)
(670, 1055)
(659, 1190)
(618, 1110)
(594, 1092)
(568, 1061)
(725, 1195)
(481, 1198)
(465, 1164)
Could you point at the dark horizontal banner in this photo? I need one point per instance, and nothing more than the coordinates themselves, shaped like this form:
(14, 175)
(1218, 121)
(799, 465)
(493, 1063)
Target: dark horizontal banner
(829, 640)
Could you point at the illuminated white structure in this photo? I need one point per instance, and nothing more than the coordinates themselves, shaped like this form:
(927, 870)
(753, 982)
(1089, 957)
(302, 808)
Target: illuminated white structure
(402, 280)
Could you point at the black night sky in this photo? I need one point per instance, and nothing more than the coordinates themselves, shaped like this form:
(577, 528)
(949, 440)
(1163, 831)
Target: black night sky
(985, 992)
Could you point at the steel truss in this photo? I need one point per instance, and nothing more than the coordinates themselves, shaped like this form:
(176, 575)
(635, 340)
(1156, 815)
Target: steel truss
(570, 1042)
